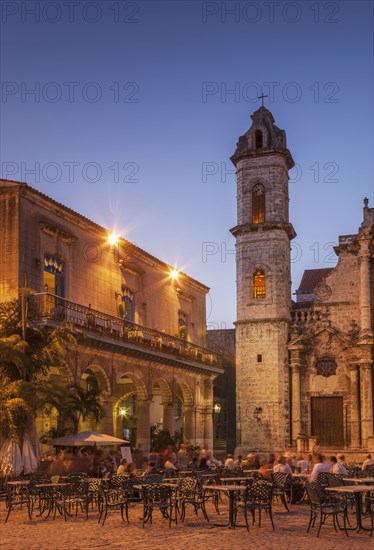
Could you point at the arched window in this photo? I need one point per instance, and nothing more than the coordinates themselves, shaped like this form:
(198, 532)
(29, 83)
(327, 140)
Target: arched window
(258, 203)
(258, 139)
(259, 285)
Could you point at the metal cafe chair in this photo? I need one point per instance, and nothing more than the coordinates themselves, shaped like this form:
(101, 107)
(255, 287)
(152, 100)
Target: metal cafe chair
(319, 507)
(257, 497)
(161, 497)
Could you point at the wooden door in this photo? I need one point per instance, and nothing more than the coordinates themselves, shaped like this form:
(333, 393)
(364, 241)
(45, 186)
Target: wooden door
(327, 421)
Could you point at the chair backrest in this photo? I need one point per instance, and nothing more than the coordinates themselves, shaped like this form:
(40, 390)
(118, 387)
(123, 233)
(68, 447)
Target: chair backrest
(281, 480)
(77, 488)
(260, 492)
(155, 493)
(313, 492)
(116, 480)
(323, 478)
(187, 486)
(153, 478)
(335, 480)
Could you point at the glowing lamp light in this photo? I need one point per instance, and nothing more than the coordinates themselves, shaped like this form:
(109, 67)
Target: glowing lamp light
(113, 239)
(122, 412)
(217, 408)
(174, 274)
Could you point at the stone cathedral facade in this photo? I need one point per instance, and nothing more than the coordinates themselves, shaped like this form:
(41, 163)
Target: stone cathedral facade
(304, 369)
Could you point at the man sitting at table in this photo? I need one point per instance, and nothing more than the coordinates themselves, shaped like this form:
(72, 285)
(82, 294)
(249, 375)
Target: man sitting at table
(229, 462)
(282, 466)
(319, 467)
(151, 469)
(302, 464)
(368, 462)
(337, 467)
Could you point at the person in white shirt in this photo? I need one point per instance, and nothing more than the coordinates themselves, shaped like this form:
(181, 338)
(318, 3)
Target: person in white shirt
(337, 467)
(282, 466)
(302, 464)
(229, 462)
(368, 462)
(319, 467)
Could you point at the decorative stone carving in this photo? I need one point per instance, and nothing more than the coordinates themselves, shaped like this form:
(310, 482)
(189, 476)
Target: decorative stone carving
(326, 366)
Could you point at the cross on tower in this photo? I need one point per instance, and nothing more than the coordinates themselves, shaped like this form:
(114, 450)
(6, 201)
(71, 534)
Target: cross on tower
(262, 96)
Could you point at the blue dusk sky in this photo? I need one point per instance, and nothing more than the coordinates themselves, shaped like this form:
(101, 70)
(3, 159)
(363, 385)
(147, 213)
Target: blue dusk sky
(128, 112)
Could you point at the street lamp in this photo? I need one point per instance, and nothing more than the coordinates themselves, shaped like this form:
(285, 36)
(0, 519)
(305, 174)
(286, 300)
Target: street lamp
(113, 239)
(217, 408)
(174, 274)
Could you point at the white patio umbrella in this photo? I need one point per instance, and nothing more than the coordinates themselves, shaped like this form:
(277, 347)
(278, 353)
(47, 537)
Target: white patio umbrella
(10, 458)
(86, 438)
(29, 460)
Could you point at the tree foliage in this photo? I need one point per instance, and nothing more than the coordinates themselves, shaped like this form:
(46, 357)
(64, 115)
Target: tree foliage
(25, 363)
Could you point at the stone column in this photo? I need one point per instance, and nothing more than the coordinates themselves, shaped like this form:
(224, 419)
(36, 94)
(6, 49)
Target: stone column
(365, 313)
(189, 424)
(200, 426)
(208, 416)
(107, 423)
(355, 406)
(168, 421)
(366, 373)
(208, 426)
(143, 435)
(295, 402)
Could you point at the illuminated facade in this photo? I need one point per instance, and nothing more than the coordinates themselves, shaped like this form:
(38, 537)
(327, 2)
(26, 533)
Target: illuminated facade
(146, 325)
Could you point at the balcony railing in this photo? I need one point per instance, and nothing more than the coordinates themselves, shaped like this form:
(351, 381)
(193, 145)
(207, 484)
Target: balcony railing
(49, 306)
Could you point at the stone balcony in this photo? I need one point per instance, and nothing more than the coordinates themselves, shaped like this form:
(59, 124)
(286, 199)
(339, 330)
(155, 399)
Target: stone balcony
(116, 334)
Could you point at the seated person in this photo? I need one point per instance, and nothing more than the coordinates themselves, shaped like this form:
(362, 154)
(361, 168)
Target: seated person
(238, 462)
(290, 458)
(319, 467)
(368, 462)
(121, 470)
(229, 462)
(281, 466)
(211, 461)
(337, 467)
(302, 464)
(151, 469)
(252, 462)
(193, 464)
(264, 469)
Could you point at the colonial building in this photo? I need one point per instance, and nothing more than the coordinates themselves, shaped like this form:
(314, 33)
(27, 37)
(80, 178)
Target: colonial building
(304, 369)
(145, 322)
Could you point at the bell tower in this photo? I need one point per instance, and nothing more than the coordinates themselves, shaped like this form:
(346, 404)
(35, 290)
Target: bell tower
(263, 234)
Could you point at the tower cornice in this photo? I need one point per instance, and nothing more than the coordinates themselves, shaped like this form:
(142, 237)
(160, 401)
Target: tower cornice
(265, 226)
(252, 154)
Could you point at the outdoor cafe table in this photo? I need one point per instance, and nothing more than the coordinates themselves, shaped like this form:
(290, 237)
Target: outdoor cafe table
(231, 489)
(367, 480)
(19, 482)
(357, 490)
(234, 479)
